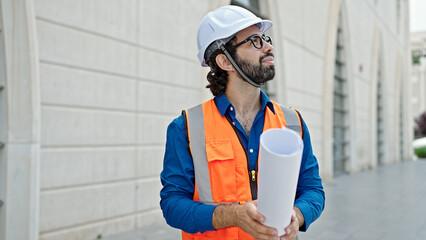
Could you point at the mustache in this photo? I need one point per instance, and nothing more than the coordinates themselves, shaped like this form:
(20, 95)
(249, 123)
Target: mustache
(266, 55)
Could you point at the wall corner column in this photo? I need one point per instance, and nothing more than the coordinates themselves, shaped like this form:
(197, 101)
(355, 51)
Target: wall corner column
(20, 130)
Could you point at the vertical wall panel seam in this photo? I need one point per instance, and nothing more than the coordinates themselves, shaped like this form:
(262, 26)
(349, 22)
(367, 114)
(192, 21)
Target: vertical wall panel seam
(137, 116)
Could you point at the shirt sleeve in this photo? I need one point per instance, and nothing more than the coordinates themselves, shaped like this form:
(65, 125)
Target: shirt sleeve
(177, 178)
(310, 195)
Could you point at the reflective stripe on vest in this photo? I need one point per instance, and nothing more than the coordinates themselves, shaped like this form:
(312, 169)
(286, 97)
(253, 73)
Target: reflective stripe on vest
(195, 126)
(195, 129)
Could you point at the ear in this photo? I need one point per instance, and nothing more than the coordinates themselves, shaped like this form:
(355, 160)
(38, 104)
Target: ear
(224, 63)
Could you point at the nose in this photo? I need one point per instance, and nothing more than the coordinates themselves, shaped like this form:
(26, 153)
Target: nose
(267, 47)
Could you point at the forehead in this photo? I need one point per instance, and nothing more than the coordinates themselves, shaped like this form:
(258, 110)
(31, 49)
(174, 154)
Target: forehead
(247, 32)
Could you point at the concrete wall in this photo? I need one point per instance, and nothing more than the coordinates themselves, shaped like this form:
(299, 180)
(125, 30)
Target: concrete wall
(301, 38)
(306, 43)
(109, 77)
(112, 77)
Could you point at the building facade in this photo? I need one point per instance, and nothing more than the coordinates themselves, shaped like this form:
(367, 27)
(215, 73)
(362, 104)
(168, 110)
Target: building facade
(418, 71)
(89, 87)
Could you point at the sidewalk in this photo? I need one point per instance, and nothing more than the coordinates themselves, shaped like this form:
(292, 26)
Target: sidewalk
(386, 203)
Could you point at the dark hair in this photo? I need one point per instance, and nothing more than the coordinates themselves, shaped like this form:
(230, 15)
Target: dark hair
(217, 77)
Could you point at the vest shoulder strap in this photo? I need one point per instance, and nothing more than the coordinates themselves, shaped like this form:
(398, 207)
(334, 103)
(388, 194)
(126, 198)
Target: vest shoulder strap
(194, 125)
(293, 119)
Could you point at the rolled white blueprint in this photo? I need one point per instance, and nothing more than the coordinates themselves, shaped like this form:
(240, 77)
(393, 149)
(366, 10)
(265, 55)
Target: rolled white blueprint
(280, 156)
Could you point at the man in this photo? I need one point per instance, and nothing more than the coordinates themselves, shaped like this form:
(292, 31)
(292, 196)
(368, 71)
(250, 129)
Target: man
(210, 164)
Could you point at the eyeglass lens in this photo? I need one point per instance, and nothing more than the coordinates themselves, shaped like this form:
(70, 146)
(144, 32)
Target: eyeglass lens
(257, 40)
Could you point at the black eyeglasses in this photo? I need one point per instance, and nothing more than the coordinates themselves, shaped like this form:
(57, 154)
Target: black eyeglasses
(257, 41)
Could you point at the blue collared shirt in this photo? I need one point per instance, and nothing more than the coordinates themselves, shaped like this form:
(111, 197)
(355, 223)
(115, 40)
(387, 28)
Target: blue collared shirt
(177, 177)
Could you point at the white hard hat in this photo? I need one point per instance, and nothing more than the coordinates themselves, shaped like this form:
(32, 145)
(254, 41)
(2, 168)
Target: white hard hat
(221, 25)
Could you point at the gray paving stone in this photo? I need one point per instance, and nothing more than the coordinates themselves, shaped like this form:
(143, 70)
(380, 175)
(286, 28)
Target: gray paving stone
(386, 203)
(160, 231)
(421, 235)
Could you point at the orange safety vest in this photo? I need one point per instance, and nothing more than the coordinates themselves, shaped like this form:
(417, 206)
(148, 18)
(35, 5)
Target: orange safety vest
(222, 175)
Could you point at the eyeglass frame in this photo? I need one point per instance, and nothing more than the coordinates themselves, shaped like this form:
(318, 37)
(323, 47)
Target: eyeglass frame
(263, 37)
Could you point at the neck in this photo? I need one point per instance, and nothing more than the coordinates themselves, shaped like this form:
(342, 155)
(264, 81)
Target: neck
(243, 96)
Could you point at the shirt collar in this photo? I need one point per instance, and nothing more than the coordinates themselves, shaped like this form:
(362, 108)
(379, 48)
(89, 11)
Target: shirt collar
(266, 101)
(223, 104)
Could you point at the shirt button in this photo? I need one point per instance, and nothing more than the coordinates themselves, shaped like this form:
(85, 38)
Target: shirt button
(251, 150)
(233, 123)
(231, 108)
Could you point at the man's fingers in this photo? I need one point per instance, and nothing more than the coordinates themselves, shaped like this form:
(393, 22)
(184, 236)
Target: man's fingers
(260, 228)
(251, 221)
(292, 229)
(254, 214)
(265, 233)
(260, 231)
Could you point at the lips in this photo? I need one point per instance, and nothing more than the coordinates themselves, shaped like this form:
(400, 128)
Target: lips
(268, 59)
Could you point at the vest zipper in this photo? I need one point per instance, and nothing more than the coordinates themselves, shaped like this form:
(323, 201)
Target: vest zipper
(253, 184)
(251, 173)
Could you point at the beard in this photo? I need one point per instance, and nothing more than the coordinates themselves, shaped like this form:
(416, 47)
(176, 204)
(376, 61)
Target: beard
(259, 74)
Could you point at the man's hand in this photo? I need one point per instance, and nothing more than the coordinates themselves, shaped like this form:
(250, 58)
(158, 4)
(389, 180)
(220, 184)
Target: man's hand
(297, 220)
(245, 217)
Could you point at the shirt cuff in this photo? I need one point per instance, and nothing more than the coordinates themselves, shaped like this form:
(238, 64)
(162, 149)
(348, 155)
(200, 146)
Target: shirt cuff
(204, 217)
(307, 214)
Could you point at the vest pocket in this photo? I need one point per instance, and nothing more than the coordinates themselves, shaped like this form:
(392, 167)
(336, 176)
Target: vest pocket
(220, 157)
